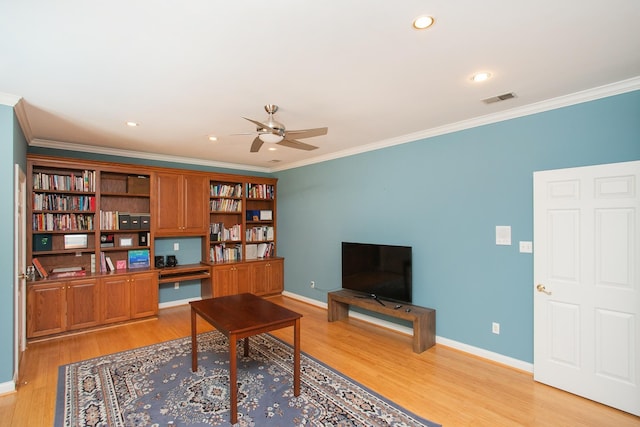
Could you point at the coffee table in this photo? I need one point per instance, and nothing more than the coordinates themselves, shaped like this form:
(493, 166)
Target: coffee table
(241, 316)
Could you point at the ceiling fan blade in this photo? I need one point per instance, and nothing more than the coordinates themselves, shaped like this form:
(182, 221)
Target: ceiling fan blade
(308, 133)
(255, 146)
(259, 124)
(292, 143)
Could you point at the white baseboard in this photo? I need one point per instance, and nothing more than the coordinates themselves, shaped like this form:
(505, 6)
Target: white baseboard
(476, 351)
(177, 302)
(7, 387)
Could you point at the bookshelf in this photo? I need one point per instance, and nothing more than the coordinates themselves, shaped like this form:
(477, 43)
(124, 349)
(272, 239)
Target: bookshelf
(125, 216)
(226, 207)
(63, 215)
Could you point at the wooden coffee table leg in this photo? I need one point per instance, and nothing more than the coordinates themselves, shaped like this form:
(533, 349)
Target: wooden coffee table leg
(296, 358)
(233, 378)
(194, 342)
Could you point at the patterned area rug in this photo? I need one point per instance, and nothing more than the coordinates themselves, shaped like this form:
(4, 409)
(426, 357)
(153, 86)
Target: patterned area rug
(154, 386)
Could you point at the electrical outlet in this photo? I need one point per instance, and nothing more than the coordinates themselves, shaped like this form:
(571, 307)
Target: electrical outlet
(176, 246)
(313, 284)
(495, 328)
(176, 285)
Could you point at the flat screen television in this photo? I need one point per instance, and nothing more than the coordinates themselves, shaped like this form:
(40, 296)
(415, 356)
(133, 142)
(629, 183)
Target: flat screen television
(383, 271)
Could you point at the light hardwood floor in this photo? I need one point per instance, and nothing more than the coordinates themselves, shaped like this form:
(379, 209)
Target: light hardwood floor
(443, 385)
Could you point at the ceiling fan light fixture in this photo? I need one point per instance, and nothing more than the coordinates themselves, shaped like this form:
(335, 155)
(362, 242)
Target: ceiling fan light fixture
(270, 138)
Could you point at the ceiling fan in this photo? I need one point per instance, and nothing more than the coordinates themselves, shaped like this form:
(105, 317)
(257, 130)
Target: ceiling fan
(274, 132)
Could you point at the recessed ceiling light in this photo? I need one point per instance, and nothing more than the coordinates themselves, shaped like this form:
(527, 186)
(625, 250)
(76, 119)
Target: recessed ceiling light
(272, 148)
(480, 77)
(213, 138)
(133, 124)
(423, 22)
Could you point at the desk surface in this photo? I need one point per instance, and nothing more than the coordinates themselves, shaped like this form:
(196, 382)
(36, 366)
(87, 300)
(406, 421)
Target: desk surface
(235, 314)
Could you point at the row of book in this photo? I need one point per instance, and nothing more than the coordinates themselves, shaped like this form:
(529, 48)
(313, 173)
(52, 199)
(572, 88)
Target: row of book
(218, 232)
(62, 222)
(258, 234)
(84, 181)
(225, 190)
(222, 253)
(260, 191)
(225, 205)
(63, 202)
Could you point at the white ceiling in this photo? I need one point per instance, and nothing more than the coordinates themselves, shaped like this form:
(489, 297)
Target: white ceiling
(188, 69)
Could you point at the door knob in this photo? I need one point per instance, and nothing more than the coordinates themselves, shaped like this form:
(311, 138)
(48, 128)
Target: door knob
(541, 288)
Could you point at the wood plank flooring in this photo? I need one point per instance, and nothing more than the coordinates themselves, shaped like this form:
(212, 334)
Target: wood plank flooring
(443, 385)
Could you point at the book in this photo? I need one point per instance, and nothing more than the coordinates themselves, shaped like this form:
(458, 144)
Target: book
(40, 268)
(66, 269)
(78, 273)
(110, 263)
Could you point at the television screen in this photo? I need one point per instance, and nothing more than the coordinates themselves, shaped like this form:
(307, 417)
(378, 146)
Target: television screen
(382, 270)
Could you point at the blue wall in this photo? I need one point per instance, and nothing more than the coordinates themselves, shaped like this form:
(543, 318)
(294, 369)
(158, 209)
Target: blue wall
(14, 149)
(444, 196)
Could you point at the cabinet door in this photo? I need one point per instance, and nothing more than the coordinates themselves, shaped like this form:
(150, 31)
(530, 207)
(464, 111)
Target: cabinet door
(267, 277)
(195, 198)
(46, 309)
(243, 278)
(116, 299)
(169, 203)
(275, 276)
(82, 304)
(144, 295)
(224, 280)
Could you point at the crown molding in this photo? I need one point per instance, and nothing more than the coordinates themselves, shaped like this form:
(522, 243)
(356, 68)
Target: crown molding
(60, 145)
(8, 99)
(593, 94)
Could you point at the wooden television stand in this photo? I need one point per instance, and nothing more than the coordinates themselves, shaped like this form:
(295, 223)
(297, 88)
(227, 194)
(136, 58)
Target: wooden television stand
(424, 319)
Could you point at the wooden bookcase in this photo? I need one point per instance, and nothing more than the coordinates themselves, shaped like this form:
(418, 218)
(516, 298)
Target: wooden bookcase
(82, 211)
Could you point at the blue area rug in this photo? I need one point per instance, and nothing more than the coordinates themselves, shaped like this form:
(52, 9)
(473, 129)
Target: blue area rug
(154, 385)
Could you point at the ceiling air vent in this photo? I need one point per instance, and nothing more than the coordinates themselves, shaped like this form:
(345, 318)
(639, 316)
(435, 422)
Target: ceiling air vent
(499, 98)
(275, 161)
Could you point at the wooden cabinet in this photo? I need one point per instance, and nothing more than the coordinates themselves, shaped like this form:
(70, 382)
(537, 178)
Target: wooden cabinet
(83, 297)
(60, 306)
(116, 298)
(129, 296)
(230, 279)
(144, 295)
(181, 204)
(46, 309)
(267, 277)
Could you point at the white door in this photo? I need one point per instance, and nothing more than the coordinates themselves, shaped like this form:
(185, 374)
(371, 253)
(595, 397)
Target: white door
(19, 308)
(586, 282)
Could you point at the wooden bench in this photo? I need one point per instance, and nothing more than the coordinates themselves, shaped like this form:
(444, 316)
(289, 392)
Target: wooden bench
(424, 319)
